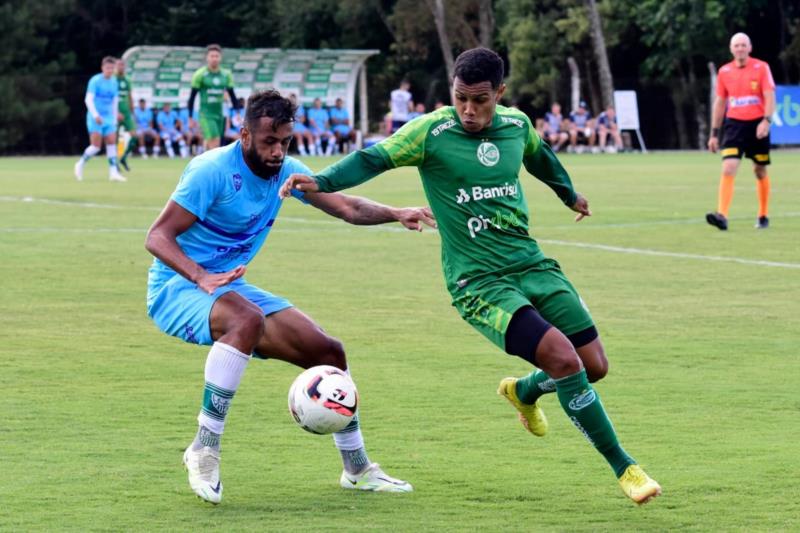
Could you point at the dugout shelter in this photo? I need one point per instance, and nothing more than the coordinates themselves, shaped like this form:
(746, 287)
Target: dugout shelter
(161, 74)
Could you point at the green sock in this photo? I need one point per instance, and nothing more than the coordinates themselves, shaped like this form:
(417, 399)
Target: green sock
(534, 385)
(132, 144)
(582, 405)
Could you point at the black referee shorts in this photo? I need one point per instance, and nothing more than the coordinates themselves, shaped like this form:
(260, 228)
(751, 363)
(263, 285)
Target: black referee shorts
(739, 139)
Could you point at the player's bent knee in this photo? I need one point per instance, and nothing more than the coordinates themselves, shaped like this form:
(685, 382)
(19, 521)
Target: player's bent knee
(249, 325)
(333, 353)
(556, 355)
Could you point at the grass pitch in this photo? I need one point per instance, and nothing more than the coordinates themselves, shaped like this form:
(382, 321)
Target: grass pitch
(701, 328)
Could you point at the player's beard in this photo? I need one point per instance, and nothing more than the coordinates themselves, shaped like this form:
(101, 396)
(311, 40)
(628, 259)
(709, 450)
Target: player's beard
(259, 167)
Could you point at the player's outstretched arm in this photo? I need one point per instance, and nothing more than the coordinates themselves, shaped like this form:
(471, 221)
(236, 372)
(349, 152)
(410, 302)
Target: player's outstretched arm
(364, 212)
(298, 182)
(162, 242)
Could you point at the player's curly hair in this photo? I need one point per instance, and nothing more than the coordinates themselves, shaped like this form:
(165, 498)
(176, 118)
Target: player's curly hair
(271, 104)
(478, 65)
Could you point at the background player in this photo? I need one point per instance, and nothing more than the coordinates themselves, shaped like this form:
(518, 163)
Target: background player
(501, 283)
(320, 128)
(211, 82)
(746, 85)
(553, 127)
(213, 225)
(101, 119)
(401, 102)
(301, 132)
(607, 125)
(125, 109)
(340, 123)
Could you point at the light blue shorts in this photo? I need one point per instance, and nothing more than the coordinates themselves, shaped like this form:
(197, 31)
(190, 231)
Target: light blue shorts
(299, 127)
(108, 126)
(342, 129)
(179, 308)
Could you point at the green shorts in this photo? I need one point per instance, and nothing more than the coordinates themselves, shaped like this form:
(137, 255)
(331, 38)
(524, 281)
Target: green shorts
(211, 125)
(127, 121)
(490, 304)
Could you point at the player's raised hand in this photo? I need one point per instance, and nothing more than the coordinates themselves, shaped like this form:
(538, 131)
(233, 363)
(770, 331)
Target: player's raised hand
(210, 281)
(581, 207)
(299, 182)
(413, 218)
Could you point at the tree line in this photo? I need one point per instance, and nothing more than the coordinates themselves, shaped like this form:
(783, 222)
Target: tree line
(663, 49)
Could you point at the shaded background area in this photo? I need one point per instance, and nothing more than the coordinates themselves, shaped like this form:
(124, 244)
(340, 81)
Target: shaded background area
(658, 48)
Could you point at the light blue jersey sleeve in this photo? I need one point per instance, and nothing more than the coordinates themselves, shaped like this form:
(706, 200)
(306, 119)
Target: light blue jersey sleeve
(92, 87)
(198, 188)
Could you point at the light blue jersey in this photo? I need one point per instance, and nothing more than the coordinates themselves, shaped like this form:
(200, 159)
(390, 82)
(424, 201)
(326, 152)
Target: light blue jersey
(104, 91)
(320, 117)
(144, 118)
(166, 121)
(343, 118)
(235, 211)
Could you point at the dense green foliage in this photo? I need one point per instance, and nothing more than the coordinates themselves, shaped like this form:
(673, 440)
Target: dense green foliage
(658, 47)
(702, 386)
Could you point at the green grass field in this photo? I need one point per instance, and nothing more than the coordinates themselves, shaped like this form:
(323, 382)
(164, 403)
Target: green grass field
(701, 328)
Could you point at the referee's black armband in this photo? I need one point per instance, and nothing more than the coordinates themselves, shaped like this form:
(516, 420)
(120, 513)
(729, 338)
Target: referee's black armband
(715, 132)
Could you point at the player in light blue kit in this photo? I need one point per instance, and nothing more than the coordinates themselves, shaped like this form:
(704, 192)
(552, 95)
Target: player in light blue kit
(167, 121)
(213, 225)
(340, 122)
(101, 119)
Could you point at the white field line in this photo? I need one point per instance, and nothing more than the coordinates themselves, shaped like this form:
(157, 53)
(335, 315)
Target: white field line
(394, 229)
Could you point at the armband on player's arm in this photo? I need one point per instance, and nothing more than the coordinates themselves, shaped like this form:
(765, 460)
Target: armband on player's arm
(543, 164)
(353, 170)
(190, 105)
(90, 105)
(715, 132)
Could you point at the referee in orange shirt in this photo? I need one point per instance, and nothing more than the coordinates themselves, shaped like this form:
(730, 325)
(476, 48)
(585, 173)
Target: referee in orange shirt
(746, 86)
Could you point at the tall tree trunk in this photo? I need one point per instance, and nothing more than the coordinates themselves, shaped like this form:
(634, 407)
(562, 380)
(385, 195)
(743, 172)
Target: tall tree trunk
(439, 18)
(486, 22)
(700, 110)
(600, 53)
(574, 83)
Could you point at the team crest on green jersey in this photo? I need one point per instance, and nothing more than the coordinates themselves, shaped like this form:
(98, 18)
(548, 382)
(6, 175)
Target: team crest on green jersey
(488, 154)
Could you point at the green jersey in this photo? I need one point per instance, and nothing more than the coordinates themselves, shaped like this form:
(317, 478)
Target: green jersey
(124, 84)
(212, 87)
(472, 184)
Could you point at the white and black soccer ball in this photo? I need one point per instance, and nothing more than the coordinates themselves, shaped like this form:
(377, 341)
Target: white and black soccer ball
(323, 399)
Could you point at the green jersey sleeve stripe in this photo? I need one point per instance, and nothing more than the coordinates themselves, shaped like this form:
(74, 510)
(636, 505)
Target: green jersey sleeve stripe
(406, 147)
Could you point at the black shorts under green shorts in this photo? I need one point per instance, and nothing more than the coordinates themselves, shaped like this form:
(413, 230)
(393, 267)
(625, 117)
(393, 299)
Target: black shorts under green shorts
(490, 304)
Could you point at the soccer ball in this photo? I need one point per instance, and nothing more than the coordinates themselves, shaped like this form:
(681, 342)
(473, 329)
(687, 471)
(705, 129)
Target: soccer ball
(323, 399)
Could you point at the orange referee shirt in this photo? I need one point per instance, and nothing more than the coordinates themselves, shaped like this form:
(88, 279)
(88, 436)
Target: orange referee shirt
(743, 88)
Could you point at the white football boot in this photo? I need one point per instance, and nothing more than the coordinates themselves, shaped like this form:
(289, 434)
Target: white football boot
(203, 467)
(374, 479)
(78, 169)
(114, 175)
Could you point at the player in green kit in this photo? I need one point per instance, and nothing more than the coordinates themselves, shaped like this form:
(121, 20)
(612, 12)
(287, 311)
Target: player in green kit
(501, 283)
(125, 110)
(211, 82)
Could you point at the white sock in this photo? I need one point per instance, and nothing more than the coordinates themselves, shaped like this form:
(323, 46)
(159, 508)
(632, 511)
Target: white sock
(111, 153)
(349, 438)
(184, 149)
(225, 366)
(142, 150)
(90, 151)
(302, 149)
(170, 150)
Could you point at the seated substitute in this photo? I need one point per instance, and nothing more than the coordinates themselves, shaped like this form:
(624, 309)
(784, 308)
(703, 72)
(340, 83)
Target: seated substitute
(555, 133)
(581, 128)
(144, 129)
(320, 128)
(302, 135)
(340, 123)
(191, 131)
(607, 125)
(234, 121)
(168, 122)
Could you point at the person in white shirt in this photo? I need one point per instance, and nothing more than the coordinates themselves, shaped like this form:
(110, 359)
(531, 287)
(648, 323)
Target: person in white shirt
(401, 103)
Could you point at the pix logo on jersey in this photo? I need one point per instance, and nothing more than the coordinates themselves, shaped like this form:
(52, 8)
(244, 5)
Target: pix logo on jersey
(501, 221)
